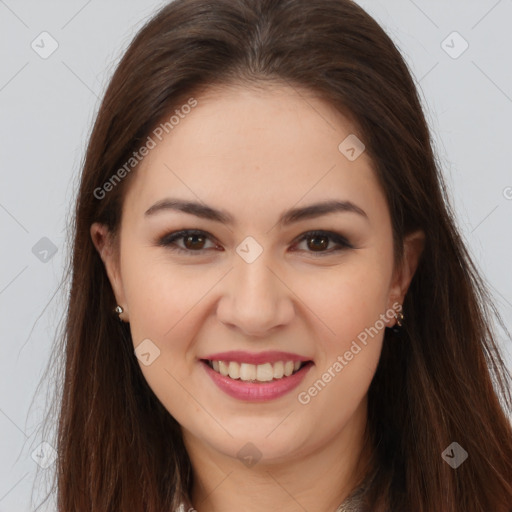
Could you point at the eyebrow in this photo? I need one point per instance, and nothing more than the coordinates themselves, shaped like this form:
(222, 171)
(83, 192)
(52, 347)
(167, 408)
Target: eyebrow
(288, 217)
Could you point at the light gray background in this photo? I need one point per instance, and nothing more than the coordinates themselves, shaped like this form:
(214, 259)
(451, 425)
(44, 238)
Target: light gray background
(47, 108)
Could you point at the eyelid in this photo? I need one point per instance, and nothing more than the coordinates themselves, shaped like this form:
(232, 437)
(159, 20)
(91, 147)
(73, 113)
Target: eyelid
(337, 238)
(342, 243)
(169, 239)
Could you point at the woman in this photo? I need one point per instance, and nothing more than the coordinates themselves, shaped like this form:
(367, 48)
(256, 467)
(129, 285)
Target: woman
(214, 360)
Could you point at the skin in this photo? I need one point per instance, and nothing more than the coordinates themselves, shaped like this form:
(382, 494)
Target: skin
(254, 154)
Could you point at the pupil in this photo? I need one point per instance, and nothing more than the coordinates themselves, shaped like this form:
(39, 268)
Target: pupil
(190, 241)
(321, 245)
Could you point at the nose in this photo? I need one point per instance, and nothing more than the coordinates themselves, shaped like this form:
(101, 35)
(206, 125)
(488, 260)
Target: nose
(256, 300)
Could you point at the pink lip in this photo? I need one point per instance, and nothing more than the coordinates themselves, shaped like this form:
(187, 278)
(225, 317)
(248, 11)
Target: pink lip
(256, 391)
(260, 358)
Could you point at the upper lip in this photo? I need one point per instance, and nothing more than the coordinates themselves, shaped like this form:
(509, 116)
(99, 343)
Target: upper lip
(240, 356)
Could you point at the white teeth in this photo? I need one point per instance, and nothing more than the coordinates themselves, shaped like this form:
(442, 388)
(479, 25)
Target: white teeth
(247, 371)
(223, 368)
(288, 368)
(278, 369)
(234, 370)
(264, 372)
(261, 372)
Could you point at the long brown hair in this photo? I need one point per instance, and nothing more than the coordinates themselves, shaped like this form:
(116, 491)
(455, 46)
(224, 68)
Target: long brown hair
(442, 380)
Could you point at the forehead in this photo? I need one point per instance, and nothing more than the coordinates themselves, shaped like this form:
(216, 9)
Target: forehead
(255, 149)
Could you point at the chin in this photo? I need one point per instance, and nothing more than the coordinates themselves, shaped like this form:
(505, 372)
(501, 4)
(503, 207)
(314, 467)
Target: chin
(263, 444)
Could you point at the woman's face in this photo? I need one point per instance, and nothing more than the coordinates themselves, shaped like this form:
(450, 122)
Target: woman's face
(253, 283)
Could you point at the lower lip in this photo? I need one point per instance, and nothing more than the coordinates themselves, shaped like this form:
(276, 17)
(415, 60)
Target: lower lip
(257, 391)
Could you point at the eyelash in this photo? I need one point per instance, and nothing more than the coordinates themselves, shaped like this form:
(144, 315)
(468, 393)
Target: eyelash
(168, 241)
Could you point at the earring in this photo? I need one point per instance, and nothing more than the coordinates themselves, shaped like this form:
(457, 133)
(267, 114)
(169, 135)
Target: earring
(118, 310)
(399, 320)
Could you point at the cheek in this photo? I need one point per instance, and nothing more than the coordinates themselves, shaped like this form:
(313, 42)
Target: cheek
(349, 302)
(169, 305)
(348, 298)
(350, 342)
(341, 301)
(161, 300)
(159, 294)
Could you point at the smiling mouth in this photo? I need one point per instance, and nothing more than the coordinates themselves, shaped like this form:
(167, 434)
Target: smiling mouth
(256, 372)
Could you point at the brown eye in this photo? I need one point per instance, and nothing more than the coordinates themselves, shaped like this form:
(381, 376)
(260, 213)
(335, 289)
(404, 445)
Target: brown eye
(186, 241)
(318, 242)
(194, 242)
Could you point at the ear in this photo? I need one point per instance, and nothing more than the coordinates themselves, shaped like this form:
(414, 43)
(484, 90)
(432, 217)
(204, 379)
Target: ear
(104, 243)
(414, 244)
